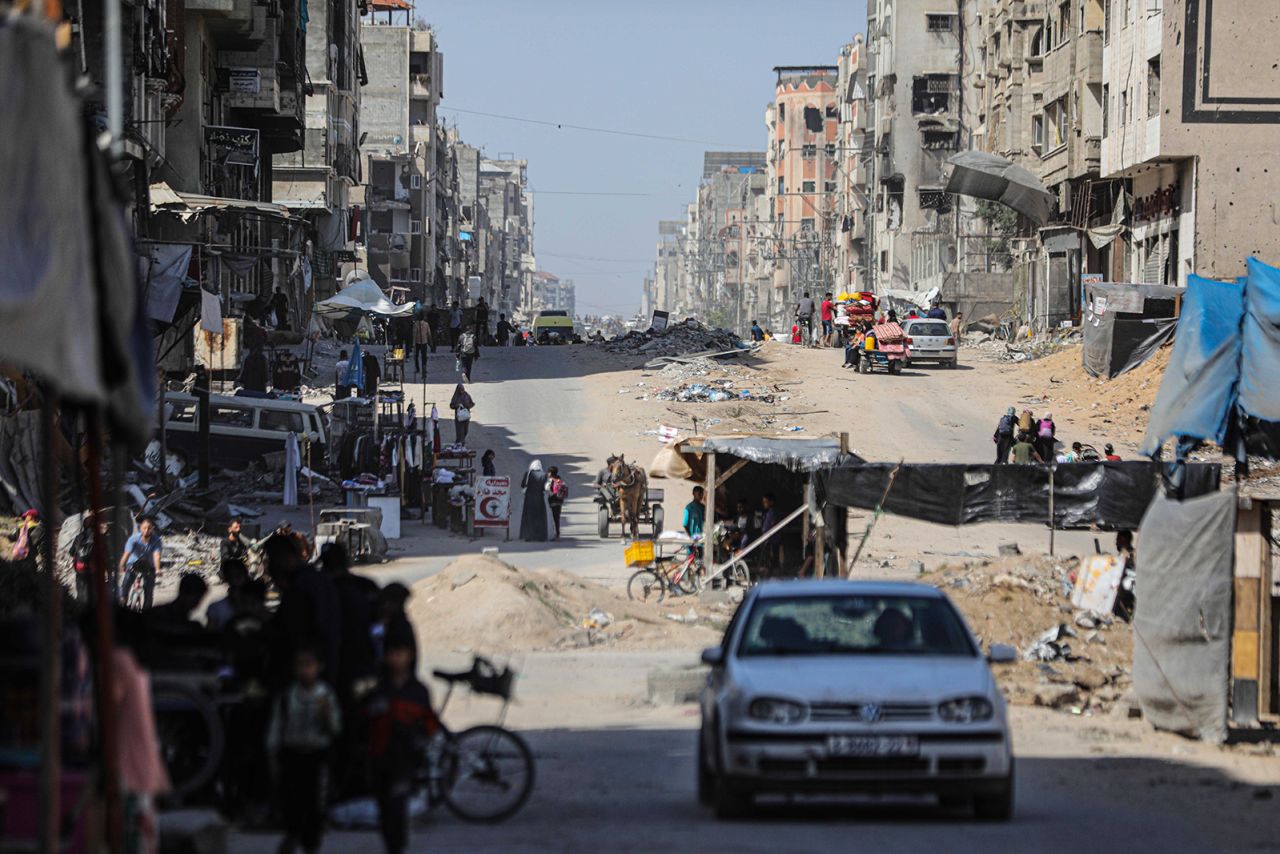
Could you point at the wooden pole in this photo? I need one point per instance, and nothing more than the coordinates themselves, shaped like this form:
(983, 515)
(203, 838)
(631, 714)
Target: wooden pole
(51, 640)
(709, 524)
(1052, 526)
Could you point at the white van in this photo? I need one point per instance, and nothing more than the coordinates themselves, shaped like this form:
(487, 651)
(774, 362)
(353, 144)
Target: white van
(242, 429)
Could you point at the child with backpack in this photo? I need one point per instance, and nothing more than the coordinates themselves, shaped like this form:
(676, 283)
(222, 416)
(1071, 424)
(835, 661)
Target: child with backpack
(468, 351)
(557, 494)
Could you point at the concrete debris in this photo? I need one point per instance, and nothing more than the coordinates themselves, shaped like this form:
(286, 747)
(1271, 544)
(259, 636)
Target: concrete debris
(1050, 646)
(689, 336)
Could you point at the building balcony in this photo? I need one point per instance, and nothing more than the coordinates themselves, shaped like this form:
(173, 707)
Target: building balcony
(420, 133)
(1088, 58)
(420, 85)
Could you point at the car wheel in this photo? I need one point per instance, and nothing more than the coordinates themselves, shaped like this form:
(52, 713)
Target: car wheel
(998, 805)
(730, 802)
(953, 364)
(706, 777)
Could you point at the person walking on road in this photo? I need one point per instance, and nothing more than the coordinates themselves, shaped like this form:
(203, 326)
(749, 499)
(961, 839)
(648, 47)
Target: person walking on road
(804, 318)
(533, 515)
(304, 724)
(141, 558)
(421, 345)
(1003, 437)
(557, 494)
(957, 327)
(503, 331)
(340, 388)
(487, 467)
(461, 404)
(468, 350)
(1024, 452)
(1046, 436)
(827, 315)
(482, 323)
(455, 323)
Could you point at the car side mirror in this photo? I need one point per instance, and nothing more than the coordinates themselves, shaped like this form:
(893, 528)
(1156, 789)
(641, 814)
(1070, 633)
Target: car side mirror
(713, 656)
(1001, 653)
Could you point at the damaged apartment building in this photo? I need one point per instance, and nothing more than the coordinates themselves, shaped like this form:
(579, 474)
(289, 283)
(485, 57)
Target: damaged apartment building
(239, 130)
(409, 181)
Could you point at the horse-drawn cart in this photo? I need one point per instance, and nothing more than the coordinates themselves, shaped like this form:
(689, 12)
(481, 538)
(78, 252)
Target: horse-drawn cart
(609, 512)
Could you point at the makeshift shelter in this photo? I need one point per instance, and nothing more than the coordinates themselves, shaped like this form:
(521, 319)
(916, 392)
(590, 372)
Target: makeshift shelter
(748, 467)
(359, 298)
(1125, 324)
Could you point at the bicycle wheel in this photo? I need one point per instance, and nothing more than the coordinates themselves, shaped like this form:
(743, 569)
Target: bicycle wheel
(739, 573)
(190, 737)
(646, 586)
(491, 774)
(692, 579)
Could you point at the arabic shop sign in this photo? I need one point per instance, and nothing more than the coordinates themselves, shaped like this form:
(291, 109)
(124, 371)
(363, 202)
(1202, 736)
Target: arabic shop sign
(232, 145)
(1165, 202)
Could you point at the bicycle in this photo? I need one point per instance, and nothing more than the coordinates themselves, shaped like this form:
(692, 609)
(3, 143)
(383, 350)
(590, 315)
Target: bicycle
(681, 576)
(466, 770)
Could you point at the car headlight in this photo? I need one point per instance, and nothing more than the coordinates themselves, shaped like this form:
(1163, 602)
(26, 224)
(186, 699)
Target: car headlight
(965, 710)
(777, 711)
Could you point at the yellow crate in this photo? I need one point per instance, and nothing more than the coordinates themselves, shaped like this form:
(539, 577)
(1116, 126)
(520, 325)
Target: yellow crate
(640, 552)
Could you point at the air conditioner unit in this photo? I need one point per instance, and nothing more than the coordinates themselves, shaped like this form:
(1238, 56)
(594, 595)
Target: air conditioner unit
(415, 226)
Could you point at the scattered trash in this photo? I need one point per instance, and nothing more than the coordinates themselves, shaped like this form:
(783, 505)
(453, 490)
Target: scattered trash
(690, 617)
(597, 619)
(1009, 549)
(1049, 646)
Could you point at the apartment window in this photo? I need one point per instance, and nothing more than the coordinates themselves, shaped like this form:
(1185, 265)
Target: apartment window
(782, 112)
(415, 182)
(1123, 116)
(1037, 43)
(808, 150)
(831, 111)
(940, 23)
(1037, 133)
(808, 187)
(782, 186)
(1128, 13)
(884, 261)
(1055, 117)
(1064, 22)
(931, 94)
(940, 140)
(415, 226)
(1106, 21)
(829, 186)
(1153, 87)
(1106, 109)
(831, 149)
(806, 224)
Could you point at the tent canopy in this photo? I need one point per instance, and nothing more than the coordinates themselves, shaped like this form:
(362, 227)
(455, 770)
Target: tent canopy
(358, 298)
(683, 459)
(989, 176)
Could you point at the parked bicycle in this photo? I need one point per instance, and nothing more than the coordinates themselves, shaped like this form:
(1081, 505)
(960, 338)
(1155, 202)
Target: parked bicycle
(680, 573)
(485, 773)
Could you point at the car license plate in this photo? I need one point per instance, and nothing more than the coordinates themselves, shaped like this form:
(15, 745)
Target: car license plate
(873, 745)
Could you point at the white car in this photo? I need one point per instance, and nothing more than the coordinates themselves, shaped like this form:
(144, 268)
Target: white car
(930, 340)
(853, 687)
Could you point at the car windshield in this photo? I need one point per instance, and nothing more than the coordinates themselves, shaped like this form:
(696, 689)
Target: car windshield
(855, 624)
(929, 329)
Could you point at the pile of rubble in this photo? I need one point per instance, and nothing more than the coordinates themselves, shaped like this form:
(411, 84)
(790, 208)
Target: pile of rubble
(689, 336)
(704, 380)
(1021, 348)
(1071, 660)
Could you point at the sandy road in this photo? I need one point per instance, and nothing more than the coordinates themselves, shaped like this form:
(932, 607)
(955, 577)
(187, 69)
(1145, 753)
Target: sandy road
(616, 773)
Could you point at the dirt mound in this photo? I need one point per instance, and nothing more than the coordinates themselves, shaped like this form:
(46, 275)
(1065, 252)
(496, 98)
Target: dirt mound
(1115, 410)
(481, 604)
(1023, 600)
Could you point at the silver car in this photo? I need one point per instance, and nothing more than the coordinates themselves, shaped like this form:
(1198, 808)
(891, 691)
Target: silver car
(930, 340)
(853, 687)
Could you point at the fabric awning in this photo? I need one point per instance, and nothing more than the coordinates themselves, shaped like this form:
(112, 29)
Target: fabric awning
(989, 176)
(187, 206)
(360, 298)
(684, 458)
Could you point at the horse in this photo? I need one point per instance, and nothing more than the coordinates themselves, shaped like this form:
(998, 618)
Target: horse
(632, 486)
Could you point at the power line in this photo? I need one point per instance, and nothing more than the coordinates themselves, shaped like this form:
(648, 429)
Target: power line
(565, 126)
(586, 193)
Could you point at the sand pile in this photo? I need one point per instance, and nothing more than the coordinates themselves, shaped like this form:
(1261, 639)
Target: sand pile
(1020, 600)
(1115, 410)
(480, 604)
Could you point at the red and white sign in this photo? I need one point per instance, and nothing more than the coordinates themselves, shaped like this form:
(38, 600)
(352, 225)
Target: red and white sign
(493, 502)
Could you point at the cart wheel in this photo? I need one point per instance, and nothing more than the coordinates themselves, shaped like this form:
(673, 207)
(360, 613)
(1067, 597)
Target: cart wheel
(895, 367)
(602, 522)
(659, 516)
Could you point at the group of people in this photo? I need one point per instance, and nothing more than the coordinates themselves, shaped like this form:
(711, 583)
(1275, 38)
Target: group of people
(1027, 439)
(545, 493)
(332, 705)
(740, 527)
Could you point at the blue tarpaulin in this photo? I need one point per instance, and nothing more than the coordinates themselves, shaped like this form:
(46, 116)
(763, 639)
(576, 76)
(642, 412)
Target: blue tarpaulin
(1199, 386)
(1260, 350)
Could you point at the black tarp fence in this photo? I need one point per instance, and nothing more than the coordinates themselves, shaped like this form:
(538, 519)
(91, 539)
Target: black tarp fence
(1111, 495)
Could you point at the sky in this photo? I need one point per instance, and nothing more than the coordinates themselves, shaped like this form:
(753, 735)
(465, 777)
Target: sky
(700, 70)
